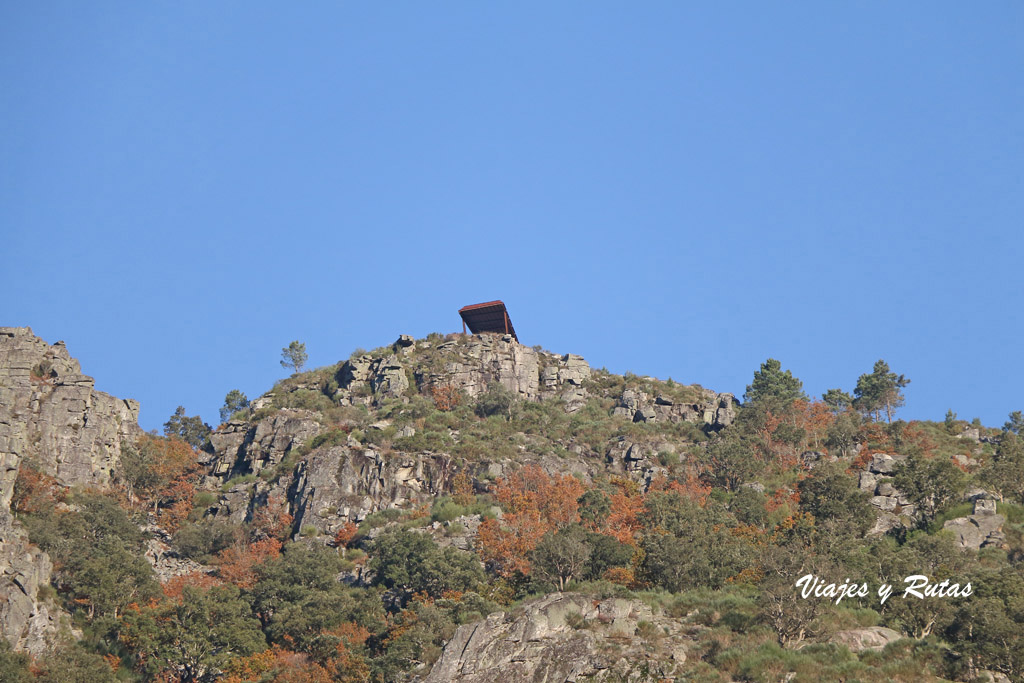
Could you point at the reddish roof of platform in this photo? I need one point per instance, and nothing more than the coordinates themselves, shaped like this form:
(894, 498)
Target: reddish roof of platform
(491, 316)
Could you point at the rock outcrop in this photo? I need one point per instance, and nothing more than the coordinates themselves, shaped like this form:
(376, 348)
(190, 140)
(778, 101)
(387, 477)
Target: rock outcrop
(983, 529)
(344, 479)
(565, 637)
(868, 638)
(343, 484)
(50, 414)
(249, 447)
(894, 509)
(714, 410)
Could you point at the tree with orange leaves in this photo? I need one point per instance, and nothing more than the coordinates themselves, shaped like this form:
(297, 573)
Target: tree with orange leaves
(160, 472)
(624, 518)
(174, 586)
(554, 498)
(536, 503)
(35, 491)
(462, 489)
(237, 564)
(193, 636)
(272, 520)
(815, 418)
(446, 396)
(506, 546)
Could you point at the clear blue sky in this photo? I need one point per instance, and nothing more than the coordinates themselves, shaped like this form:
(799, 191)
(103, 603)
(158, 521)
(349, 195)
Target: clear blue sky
(675, 189)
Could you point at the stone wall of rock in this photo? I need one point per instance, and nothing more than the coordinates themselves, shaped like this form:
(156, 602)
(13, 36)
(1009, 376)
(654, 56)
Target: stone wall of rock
(347, 483)
(51, 414)
(27, 622)
(469, 363)
(565, 637)
(714, 410)
(983, 529)
(245, 447)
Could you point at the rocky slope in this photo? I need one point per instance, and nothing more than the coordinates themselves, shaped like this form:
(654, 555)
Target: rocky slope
(347, 478)
(51, 415)
(566, 637)
(394, 429)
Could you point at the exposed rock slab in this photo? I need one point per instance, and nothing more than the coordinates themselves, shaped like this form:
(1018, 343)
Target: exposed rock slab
(869, 638)
(51, 414)
(983, 529)
(565, 637)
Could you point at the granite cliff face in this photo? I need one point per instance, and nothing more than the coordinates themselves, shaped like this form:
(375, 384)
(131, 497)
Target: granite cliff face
(50, 414)
(566, 637)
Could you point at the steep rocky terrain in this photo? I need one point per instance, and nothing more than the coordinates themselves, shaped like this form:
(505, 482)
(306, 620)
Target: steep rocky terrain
(49, 414)
(348, 478)
(413, 502)
(566, 637)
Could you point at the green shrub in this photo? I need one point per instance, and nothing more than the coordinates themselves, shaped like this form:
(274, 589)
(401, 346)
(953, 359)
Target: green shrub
(336, 436)
(237, 481)
(381, 518)
(204, 499)
(445, 510)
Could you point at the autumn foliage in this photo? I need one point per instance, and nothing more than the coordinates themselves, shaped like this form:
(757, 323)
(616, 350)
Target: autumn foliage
(536, 503)
(161, 473)
(237, 564)
(345, 664)
(35, 491)
(446, 396)
(173, 587)
(345, 535)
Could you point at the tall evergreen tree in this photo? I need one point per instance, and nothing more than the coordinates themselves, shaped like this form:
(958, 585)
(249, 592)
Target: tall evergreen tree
(773, 386)
(294, 356)
(879, 392)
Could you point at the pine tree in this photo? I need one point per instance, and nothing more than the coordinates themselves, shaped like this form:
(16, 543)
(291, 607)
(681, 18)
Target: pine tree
(879, 392)
(294, 356)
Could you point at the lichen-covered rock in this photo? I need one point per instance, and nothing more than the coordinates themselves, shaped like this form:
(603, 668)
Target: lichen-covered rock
(346, 483)
(51, 414)
(716, 411)
(475, 361)
(25, 621)
(983, 529)
(241, 448)
(389, 379)
(869, 638)
(167, 564)
(883, 463)
(565, 637)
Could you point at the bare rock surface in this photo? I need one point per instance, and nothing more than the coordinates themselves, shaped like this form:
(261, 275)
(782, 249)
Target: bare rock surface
(983, 529)
(565, 637)
(51, 415)
(868, 638)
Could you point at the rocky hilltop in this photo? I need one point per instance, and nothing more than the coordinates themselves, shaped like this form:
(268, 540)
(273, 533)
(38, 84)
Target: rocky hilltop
(334, 445)
(376, 453)
(467, 508)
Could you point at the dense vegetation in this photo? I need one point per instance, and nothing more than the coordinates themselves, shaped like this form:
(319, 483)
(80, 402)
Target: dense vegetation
(717, 539)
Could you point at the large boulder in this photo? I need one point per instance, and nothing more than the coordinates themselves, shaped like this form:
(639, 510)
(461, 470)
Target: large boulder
(869, 638)
(983, 529)
(565, 637)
